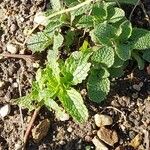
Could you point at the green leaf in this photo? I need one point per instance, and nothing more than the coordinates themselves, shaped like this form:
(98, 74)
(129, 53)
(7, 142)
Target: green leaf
(124, 51)
(116, 72)
(126, 30)
(104, 33)
(56, 5)
(139, 60)
(133, 2)
(104, 55)
(117, 62)
(98, 88)
(76, 67)
(140, 38)
(73, 103)
(84, 46)
(146, 55)
(115, 14)
(39, 42)
(69, 38)
(85, 22)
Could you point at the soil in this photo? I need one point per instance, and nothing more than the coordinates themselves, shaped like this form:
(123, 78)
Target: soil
(129, 94)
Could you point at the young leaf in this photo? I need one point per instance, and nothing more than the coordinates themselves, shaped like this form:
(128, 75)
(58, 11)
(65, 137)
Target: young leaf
(76, 67)
(104, 55)
(73, 103)
(146, 55)
(98, 88)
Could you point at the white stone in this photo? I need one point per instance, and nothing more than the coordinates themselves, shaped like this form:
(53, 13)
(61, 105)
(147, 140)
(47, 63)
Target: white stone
(15, 85)
(102, 120)
(98, 144)
(11, 48)
(5, 110)
(64, 117)
(41, 19)
(69, 129)
(1, 83)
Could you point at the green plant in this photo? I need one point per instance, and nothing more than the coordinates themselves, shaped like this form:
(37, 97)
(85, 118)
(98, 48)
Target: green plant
(109, 42)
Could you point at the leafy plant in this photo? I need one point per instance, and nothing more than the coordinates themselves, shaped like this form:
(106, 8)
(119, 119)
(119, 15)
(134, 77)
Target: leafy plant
(109, 41)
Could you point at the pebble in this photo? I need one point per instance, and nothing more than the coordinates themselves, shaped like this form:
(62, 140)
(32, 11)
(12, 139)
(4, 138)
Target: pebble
(1, 83)
(40, 18)
(98, 144)
(12, 48)
(136, 141)
(40, 131)
(69, 129)
(13, 28)
(137, 87)
(64, 117)
(102, 120)
(5, 110)
(110, 137)
(15, 85)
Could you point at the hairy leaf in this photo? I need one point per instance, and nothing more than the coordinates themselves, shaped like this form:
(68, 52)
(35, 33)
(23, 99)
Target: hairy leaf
(146, 55)
(56, 5)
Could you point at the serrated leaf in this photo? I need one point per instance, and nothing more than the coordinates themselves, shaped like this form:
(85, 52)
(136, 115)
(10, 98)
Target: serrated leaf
(104, 55)
(124, 51)
(146, 55)
(56, 5)
(76, 67)
(39, 42)
(140, 38)
(117, 62)
(85, 22)
(98, 88)
(115, 14)
(104, 33)
(139, 60)
(126, 31)
(73, 103)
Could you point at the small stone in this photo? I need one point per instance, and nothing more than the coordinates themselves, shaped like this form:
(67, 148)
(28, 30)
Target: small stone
(136, 141)
(18, 145)
(102, 120)
(13, 28)
(5, 110)
(1, 83)
(40, 131)
(12, 48)
(40, 18)
(15, 85)
(69, 129)
(64, 117)
(36, 65)
(136, 87)
(108, 136)
(135, 95)
(98, 144)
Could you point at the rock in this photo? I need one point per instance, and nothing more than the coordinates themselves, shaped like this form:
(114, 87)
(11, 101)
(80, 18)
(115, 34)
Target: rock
(98, 144)
(12, 48)
(137, 87)
(102, 120)
(40, 131)
(5, 110)
(41, 19)
(69, 129)
(136, 141)
(108, 136)
(1, 83)
(64, 117)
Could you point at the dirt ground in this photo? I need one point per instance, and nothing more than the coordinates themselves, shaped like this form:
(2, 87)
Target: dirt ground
(129, 94)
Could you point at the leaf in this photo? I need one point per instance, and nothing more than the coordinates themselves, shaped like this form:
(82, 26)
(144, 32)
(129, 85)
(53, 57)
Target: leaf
(139, 60)
(117, 62)
(56, 5)
(58, 41)
(104, 33)
(69, 38)
(98, 88)
(116, 72)
(126, 30)
(76, 67)
(115, 14)
(133, 2)
(140, 38)
(73, 103)
(146, 55)
(39, 42)
(85, 22)
(84, 46)
(124, 51)
(104, 55)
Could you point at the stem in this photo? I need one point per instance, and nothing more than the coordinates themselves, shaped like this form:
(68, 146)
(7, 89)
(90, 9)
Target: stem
(36, 111)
